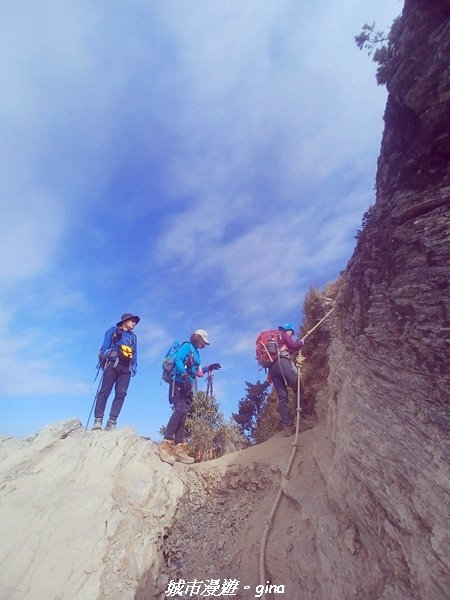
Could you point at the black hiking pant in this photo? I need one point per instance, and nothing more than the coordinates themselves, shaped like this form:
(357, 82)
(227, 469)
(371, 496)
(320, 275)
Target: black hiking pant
(120, 377)
(176, 429)
(283, 375)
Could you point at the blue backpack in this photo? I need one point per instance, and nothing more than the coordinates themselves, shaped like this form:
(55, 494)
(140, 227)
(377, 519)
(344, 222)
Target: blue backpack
(168, 364)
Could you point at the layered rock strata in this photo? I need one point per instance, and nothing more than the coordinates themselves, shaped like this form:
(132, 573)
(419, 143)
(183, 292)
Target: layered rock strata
(389, 417)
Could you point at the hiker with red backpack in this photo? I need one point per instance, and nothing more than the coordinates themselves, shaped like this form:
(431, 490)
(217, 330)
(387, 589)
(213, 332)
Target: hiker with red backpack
(273, 351)
(181, 367)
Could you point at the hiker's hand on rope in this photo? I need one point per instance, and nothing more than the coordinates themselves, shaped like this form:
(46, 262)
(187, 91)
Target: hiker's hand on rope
(299, 360)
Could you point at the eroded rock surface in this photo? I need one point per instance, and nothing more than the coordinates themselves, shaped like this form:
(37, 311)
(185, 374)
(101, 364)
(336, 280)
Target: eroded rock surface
(389, 357)
(83, 514)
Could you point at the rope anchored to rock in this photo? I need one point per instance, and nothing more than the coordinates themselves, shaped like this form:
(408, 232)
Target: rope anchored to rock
(317, 324)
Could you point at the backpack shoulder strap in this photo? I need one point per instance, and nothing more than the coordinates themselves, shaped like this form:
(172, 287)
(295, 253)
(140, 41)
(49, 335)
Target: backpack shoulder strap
(190, 347)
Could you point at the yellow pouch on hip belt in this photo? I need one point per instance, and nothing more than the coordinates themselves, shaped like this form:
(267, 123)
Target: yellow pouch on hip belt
(125, 351)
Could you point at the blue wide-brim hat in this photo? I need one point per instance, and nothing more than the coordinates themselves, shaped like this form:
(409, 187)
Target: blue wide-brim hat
(126, 317)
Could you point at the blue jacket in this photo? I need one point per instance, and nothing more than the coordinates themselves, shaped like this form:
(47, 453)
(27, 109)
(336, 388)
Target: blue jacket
(128, 338)
(187, 361)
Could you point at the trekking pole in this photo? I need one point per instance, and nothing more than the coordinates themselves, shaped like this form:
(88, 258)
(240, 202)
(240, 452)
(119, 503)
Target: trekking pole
(209, 384)
(317, 324)
(99, 366)
(95, 378)
(96, 394)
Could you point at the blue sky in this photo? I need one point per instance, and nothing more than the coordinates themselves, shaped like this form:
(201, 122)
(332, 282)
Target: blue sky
(200, 164)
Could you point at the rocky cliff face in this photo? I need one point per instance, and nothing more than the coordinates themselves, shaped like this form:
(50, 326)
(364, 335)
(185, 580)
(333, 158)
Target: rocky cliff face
(389, 358)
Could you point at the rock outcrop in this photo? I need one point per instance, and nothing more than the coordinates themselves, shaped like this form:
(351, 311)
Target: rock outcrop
(83, 515)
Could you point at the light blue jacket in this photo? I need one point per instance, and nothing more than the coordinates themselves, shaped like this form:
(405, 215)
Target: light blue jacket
(187, 361)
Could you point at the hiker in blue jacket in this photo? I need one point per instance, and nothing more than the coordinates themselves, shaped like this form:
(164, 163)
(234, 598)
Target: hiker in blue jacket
(186, 369)
(118, 358)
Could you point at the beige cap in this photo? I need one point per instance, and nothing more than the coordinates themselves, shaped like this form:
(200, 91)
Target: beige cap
(203, 334)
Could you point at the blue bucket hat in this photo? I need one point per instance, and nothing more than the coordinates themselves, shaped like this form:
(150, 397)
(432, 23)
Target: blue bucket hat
(126, 317)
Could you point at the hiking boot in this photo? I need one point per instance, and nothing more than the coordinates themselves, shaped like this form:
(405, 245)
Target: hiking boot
(110, 425)
(180, 454)
(97, 424)
(288, 430)
(165, 451)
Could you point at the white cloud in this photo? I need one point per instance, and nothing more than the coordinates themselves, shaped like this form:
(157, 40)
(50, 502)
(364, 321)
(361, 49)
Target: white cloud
(32, 360)
(267, 264)
(301, 82)
(254, 123)
(302, 98)
(31, 234)
(152, 339)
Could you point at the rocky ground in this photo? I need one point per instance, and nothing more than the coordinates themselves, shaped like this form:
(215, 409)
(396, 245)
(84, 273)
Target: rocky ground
(218, 527)
(82, 514)
(98, 515)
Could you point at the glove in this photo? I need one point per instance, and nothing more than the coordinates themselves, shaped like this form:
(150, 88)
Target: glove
(133, 370)
(186, 384)
(107, 352)
(299, 360)
(213, 366)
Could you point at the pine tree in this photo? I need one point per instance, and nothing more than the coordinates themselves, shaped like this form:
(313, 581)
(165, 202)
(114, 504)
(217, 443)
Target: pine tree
(250, 408)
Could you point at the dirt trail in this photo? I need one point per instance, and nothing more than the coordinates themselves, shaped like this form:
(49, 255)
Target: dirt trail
(220, 522)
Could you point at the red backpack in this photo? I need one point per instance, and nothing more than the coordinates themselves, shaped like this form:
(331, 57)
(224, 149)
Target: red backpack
(267, 348)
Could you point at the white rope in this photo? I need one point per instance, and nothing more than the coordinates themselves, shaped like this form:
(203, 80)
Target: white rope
(317, 324)
(285, 475)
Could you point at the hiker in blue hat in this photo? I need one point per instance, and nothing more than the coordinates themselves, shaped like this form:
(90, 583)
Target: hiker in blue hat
(283, 374)
(118, 359)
